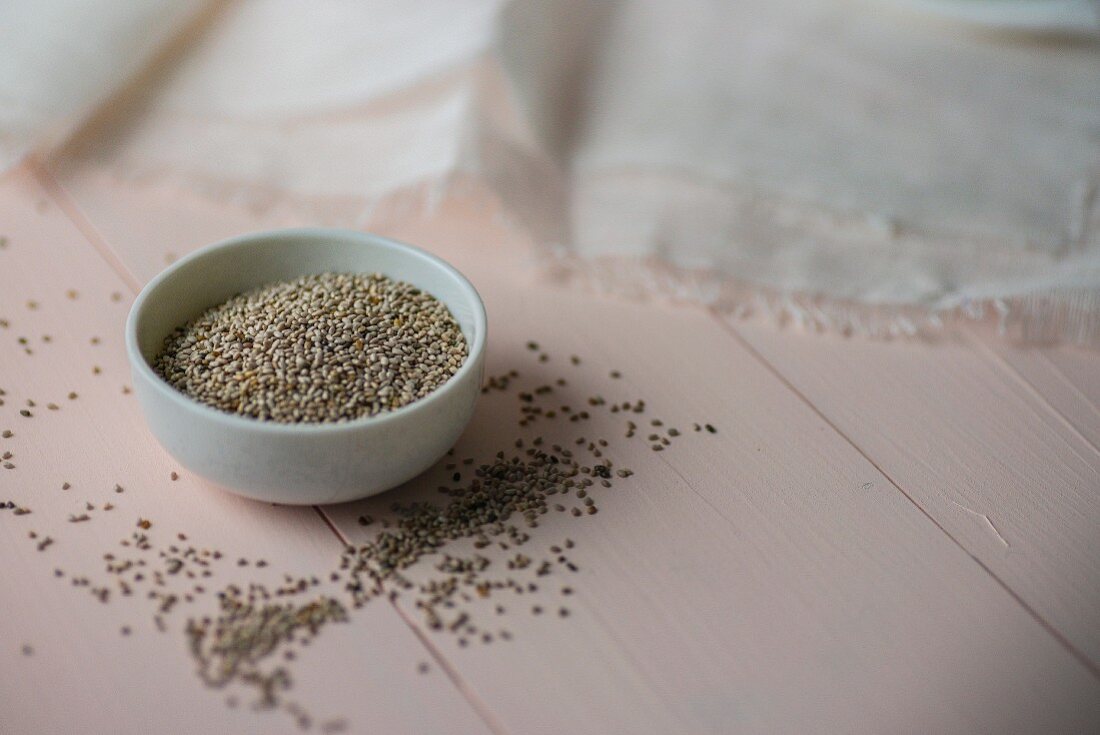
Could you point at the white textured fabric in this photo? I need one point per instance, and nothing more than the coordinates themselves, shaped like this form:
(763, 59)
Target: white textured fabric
(59, 59)
(832, 158)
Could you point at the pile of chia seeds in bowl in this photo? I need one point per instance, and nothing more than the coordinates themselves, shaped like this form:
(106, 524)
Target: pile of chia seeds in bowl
(323, 348)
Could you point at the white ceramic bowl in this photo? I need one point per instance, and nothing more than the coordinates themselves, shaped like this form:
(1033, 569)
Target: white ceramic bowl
(292, 463)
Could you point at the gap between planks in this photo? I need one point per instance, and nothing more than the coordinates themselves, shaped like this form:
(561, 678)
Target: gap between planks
(1065, 380)
(491, 721)
(1058, 636)
(993, 356)
(94, 238)
(82, 223)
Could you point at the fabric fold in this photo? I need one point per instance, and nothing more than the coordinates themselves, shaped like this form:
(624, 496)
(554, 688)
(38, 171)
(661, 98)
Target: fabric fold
(836, 162)
(62, 59)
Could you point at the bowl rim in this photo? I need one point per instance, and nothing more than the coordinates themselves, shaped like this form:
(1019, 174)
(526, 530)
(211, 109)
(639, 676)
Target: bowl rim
(187, 403)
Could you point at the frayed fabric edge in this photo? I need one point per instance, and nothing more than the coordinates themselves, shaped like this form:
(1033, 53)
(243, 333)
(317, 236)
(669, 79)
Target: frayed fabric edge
(1041, 317)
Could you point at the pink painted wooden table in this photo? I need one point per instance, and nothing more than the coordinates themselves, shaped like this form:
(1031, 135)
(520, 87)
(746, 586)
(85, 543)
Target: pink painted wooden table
(879, 538)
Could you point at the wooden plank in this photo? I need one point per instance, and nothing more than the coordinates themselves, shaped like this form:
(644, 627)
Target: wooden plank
(1067, 378)
(1064, 395)
(747, 573)
(1079, 366)
(985, 457)
(80, 673)
(767, 578)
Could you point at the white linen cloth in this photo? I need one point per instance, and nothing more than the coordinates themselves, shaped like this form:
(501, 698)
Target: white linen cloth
(839, 161)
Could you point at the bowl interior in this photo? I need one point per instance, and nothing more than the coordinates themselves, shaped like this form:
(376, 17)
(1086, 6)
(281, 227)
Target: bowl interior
(217, 273)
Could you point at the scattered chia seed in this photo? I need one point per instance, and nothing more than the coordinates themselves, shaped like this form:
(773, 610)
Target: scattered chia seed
(232, 647)
(498, 503)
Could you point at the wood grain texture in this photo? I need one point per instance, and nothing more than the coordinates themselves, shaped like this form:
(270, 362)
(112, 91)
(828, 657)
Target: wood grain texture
(81, 673)
(1067, 378)
(1080, 368)
(1005, 475)
(765, 579)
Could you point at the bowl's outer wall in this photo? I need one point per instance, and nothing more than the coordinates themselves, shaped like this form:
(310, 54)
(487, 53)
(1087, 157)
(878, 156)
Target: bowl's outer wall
(311, 468)
(326, 464)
